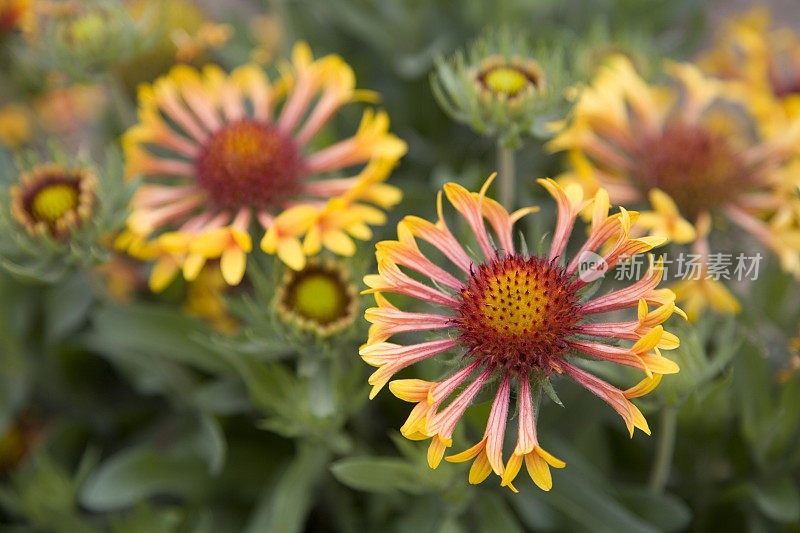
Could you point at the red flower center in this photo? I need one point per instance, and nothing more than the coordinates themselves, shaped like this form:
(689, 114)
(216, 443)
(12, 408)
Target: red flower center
(699, 169)
(249, 164)
(516, 312)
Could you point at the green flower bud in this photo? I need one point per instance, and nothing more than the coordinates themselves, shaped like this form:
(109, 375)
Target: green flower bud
(502, 88)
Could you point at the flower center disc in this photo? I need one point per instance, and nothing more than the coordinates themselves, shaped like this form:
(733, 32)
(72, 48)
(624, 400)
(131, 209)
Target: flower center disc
(54, 201)
(318, 295)
(249, 163)
(506, 80)
(516, 312)
(698, 169)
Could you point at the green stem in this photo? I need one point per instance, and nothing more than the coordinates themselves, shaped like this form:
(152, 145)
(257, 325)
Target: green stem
(507, 177)
(665, 448)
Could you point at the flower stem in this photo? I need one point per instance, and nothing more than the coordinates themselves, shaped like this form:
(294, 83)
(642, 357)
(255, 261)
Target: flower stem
(665, 448)
(507, 176)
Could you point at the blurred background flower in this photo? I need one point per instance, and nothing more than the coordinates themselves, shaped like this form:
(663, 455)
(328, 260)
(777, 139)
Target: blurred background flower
(233, 161)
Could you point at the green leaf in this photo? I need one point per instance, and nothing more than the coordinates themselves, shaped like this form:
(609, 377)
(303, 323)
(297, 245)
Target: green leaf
(532, 509)
(66, 306)
(321, 395)
(271, 386)
(158, 330)
(787, 419)
(212, 445)
(222, 397)
(450, 525)
(752, 381)
(778, 499)
(493, 514)
(584, 496)
(145, 518)
(285, 507)
(382, 474)
(664, 511)
(135, 474)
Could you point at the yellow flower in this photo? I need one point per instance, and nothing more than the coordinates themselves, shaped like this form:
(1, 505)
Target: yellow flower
(64, 110)
(701, 293)
(665, 220)
(121, 276)
(224, 154)
(501, 87)
(205, 299)
(766, 61)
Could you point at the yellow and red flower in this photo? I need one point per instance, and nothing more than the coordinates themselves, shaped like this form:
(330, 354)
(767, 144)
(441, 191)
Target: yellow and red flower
(223, 154)
(515, 315)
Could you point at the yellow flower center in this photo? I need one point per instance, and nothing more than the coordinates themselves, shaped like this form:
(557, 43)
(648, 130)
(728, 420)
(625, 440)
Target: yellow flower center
(506, 80)
(54, 201)
(319, 297)
(514, 302)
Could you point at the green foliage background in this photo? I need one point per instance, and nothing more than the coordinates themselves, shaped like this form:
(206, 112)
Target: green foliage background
(153, 422)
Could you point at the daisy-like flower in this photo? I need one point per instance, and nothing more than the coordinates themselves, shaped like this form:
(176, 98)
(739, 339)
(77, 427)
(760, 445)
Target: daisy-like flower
(53, 200)
(693, 150)
(222, 155)
(517, 318)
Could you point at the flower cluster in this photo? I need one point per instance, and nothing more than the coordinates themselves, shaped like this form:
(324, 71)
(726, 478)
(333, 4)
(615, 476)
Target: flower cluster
(516, 317)
(214, 262)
